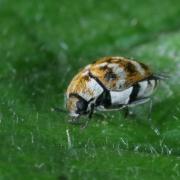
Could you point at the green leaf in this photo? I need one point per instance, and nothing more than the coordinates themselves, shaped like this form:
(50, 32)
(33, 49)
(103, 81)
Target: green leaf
(43, 45)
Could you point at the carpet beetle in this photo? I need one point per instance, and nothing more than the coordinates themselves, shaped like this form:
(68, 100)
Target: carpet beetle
(111, 83)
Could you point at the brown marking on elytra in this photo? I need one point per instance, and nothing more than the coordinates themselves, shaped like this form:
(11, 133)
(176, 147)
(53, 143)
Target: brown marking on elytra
(130, 80)
(146, 69)
(113, 84)
(110, 79)
(133, 75)
(105, 75)
(130, 68)
(110, 76)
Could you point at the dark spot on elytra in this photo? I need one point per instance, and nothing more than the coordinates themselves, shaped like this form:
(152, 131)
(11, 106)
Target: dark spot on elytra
(103, 68)
(110, 76)
(86, 78)
(144, 66)
(130, 68)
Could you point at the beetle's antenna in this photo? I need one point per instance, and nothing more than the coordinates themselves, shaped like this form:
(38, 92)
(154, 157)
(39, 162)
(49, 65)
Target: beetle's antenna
(58, 110)
(161, 76)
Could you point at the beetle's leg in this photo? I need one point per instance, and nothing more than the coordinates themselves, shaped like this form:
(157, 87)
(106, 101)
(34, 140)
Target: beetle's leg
(154, 128)
(91, 111)
(150, 111)
(89, 117)
(84, 125)
(87, 121)
(126, 112)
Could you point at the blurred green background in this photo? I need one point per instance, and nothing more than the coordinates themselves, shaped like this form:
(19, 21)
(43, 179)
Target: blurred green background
(42, 46)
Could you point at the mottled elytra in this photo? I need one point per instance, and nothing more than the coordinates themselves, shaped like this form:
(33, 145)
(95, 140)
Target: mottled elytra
(110, 83)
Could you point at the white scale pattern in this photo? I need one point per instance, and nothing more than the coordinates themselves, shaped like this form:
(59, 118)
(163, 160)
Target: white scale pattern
(121, 97)
(94, 87)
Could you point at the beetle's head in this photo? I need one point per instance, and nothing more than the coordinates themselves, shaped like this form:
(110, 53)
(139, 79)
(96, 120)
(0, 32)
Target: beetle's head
(76, 106)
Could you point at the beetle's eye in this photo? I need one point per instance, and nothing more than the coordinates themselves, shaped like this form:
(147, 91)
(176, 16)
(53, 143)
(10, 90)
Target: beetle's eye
(81, 106)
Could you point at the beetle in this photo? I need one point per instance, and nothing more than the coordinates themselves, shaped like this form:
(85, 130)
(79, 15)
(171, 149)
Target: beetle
(110, 83)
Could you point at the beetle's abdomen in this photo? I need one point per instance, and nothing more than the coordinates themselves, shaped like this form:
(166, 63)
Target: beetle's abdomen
(138, 91)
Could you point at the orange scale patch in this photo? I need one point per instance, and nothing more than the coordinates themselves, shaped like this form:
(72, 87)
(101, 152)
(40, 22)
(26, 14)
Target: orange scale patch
(132, 80)
(76, 83)
(79, 84)
(98, 71)
(112, 85)
(133, 76)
